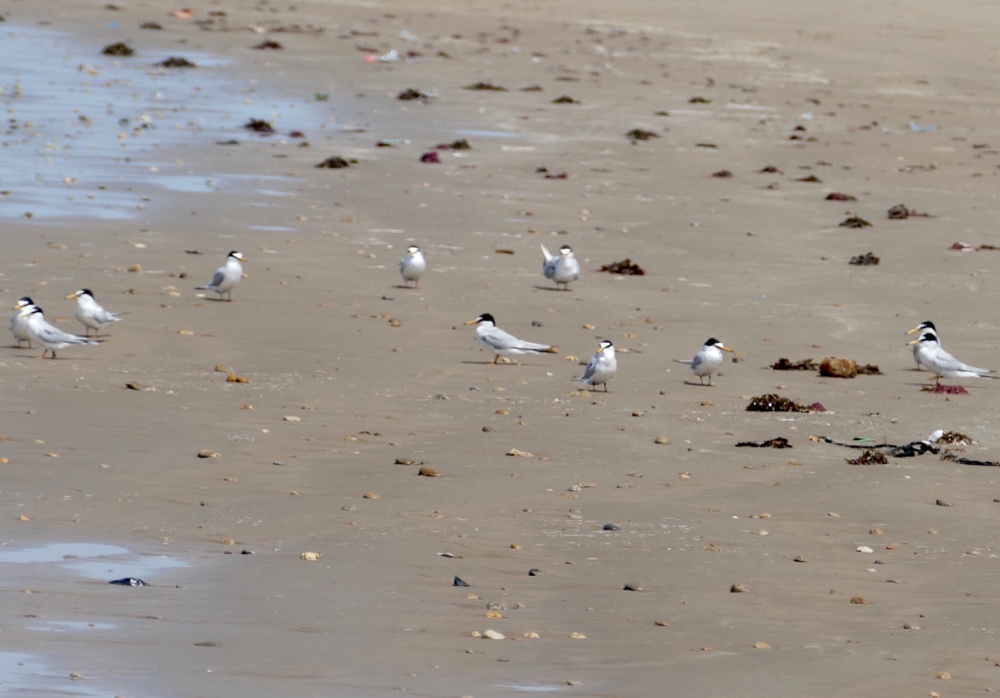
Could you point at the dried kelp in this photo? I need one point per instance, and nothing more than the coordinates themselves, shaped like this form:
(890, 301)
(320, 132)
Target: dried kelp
(775, 403)
(837, 196)
(778, 442)
(954, 437)
(334, 162)
(259, 126)
(910, 450)
(626, 268)
(485, 85)
(855, 222)
(176, 62)
(119, 49)
(869, 457)
(638, 134)
(900, 212)
(409, 94)
(863, 260)
(565, 99)
(268, 45)
(803, 365)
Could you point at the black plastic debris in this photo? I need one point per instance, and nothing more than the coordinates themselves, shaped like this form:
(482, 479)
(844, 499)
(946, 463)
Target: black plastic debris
(129, 582)
(459, 582)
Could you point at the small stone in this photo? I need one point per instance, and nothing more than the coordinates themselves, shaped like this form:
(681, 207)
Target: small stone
(519, 454)
(739, 589)
(612, 527)
(661, 623)
(877, 532)
(493, 614)
(706, 648)
(209, 454)
(22, 517)
(136, 267)
(222, 368)
(531, 636)
(910, 626)
(833, 514)
(860, 600)
(312, 557)
(515, 546)
(865, 549)
(371, 495)
(631, 587)
(761, 646)
(685, 476)
(405, 461)
(292, 418)
(185, 331)
(493, 635)
(428, 472)
(944, 675)
(713, 548)
(534, 572)
(574, 683)
(577, 636)
(799, 558)
(943, 503)
(838, 368)
(662, 440)
(459, 582)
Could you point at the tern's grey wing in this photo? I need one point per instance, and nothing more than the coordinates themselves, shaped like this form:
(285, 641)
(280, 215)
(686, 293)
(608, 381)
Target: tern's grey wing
(591, 367)
(549, 268)
(498, 340)
(53, 335)
(696, 361)
(219, 277)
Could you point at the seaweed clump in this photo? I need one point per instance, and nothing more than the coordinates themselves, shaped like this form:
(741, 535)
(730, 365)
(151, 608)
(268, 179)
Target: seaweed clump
(779, 442)
(625, 268)
(638, 134)
(334, 162)
(954, 437)
(946, 389)
(176, 62)
(803, 365)
(869, 370)
(485, 85)
(775, 403)
(565, 99)
(863, 260)
(460, 144)
(409, 94)
(837, 196)
(259, 126)
(119, 49)
(855, 222)
(869, 457)
(269, 45)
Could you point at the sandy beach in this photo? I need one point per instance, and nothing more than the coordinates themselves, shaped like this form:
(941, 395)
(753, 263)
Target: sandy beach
(628, 547)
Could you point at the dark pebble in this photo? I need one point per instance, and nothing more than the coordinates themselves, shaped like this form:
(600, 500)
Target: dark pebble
(459, 582)
(632, 587)
(612, 527)
(942, 503)
(534, 572)
(487, 428)
(388, 298)
(246, 552)
(537, 323)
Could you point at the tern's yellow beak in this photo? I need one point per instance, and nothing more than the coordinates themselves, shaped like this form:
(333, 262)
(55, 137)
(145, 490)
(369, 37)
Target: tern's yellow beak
(726, 349)
(915, 341)
(72, 296)
(914, 330)
(473, 322)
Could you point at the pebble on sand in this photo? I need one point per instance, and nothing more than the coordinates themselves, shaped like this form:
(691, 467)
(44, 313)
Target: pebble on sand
(312, 557)
(859, 600)
(493, 635)
(661, 440)
(428, 472)
(661, 623)
(519, 454)
(209, 454)
(233, 378)
(292, 418)
(632, 587)
(371, 495)
(739, 589)
(577, 636)
(761, 646)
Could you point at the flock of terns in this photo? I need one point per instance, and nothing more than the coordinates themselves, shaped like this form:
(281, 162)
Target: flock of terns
(28, 324)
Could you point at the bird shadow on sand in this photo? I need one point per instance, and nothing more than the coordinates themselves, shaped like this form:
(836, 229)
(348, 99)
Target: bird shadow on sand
(551, 288)
(700, 385)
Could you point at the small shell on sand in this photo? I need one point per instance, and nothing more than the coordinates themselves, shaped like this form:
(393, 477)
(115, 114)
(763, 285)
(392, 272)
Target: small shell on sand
(739, 589)
(292, 418)
(233, 378)
(312, 557)
(861, 601)
(209, 454)
(428, 472)
(519, 454)
(761, 646)
(577, 636)
(493, 635)
(662, 440)
(371, 495)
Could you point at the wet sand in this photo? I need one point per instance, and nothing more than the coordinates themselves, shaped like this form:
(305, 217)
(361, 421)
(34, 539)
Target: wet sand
(756, 259)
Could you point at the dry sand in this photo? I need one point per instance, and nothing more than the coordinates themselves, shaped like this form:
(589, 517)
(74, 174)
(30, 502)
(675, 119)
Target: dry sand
(90, 461)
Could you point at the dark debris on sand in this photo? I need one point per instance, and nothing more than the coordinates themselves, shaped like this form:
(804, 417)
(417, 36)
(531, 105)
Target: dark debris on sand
(410, 94)
(900, 212)
(945, 389)
(803, 365)
(334, 162)
(869, 457)
(775, 403)
(176, 62)
(268, 45)
(485, 85)
(625, 268)
(259, 126)
(864, 259)
(460, 144)
(638, 134)
(778, 442)
(855, 222)
(119, 49)
(837, 196)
